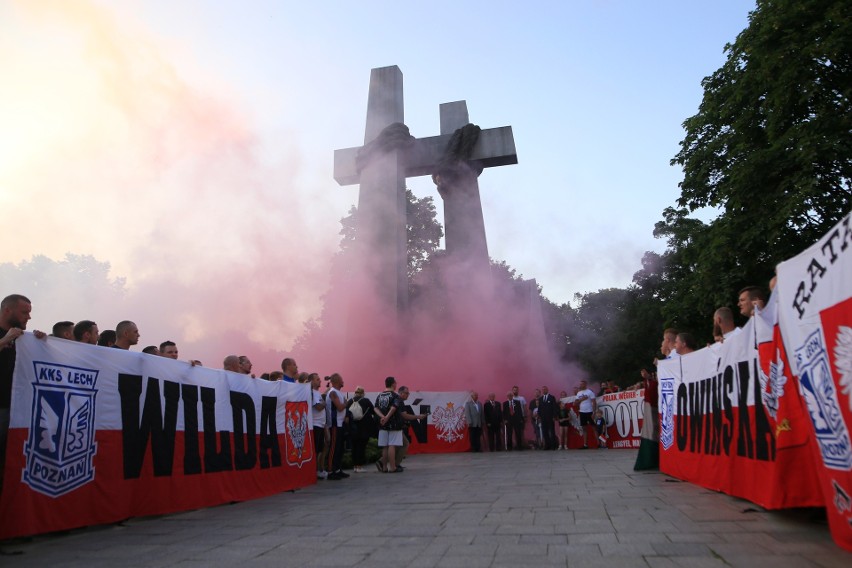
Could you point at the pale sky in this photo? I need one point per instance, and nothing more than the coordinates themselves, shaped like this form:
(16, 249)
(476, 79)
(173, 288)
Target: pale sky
(190, 144)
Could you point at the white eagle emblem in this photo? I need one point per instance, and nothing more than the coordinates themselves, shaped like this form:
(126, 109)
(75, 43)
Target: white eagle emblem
(843, 361)
(814, 409)
(772, 387)
(297, 426)
(49, 422)
(449, 422)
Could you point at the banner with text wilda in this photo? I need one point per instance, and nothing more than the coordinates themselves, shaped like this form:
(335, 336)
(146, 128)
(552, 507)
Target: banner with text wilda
(98, 435)
(715, 430)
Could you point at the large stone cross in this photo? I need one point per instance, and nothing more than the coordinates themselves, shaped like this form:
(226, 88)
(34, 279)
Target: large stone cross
(381, 235)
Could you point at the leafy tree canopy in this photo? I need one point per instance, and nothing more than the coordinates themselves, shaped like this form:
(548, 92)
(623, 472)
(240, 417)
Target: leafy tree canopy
(770, 149)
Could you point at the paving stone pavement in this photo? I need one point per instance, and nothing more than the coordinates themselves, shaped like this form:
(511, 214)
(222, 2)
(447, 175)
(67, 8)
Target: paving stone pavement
(561, 508)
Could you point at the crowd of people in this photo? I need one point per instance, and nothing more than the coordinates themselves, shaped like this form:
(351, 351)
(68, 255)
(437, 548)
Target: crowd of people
(340, 422)
(676, 343)
(501, 425)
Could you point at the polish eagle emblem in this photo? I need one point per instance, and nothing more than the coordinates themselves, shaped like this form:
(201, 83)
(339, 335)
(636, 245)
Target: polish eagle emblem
(843, 361)
(449, 422)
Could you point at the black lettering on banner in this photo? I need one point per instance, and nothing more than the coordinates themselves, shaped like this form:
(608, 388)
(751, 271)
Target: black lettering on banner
(214, 460)
(707, 414)
(764, 438)
(419, 426)
(803, 296)
(154, 425)
(696, 419)
(829, 244)
(191, 451)
(682, 431)
(847, 234)
(816, 270)
(745, 445)
(269, 448)
(245, 442)
(716, 386)
(728, 427)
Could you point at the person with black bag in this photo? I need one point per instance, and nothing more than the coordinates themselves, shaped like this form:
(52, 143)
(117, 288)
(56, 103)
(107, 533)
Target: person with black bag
(364, 427)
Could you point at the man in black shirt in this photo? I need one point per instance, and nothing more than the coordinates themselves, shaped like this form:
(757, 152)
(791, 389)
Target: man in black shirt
(14, 315)
(493, 423)
(513, 416)
(547, 410)
(127, 335)
(389, 408)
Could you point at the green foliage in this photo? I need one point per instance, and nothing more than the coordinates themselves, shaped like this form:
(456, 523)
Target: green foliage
(423, 230)
(770, 149)
(64, 286)
(424, 234)
(614, 332)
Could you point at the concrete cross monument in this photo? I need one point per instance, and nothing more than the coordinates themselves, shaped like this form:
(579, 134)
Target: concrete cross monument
(389, 155)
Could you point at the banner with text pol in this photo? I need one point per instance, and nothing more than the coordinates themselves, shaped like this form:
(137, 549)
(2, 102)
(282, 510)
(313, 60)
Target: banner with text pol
(98, 435)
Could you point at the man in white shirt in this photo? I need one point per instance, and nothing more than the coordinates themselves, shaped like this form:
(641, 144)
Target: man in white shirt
(667, 347)
(335, 412)
(724, 318)
(749, 298)
(321, 433)
(588, 405)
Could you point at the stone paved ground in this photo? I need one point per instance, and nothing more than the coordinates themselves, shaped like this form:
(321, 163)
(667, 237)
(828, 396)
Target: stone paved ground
(564, 508)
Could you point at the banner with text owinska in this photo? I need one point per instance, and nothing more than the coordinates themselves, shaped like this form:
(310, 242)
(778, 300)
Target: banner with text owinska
(718, 427)
(98, 435)
(814, 307)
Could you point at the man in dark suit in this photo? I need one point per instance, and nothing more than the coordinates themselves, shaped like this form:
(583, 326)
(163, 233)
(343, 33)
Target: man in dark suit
(493, 423)
(513, 418)
(547, 412)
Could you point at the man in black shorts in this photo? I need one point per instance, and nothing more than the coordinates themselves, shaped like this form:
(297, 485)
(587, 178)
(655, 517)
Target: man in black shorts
(588, 405)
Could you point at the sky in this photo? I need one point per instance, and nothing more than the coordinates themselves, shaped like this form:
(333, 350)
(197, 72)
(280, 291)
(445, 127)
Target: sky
(190, 144)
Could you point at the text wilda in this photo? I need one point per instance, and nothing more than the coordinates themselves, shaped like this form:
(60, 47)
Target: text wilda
(223, 450)
(706, 422)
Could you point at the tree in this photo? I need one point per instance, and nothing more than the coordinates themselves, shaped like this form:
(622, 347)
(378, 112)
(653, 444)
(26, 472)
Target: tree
(771, 141)
(74, 288)
(770, 148)
(423, 232)
(614, 332)
(422, 229)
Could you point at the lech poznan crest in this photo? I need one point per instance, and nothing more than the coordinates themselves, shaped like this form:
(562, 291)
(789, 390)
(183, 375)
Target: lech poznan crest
(61, 443)
(667, 396)
(822, 401)
(299, 449)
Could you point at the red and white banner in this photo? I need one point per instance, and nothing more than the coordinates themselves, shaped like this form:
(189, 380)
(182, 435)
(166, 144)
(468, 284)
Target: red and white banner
(98, 435)
(444, 430)
(815, 317)
(624, 414)
(718, 427)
